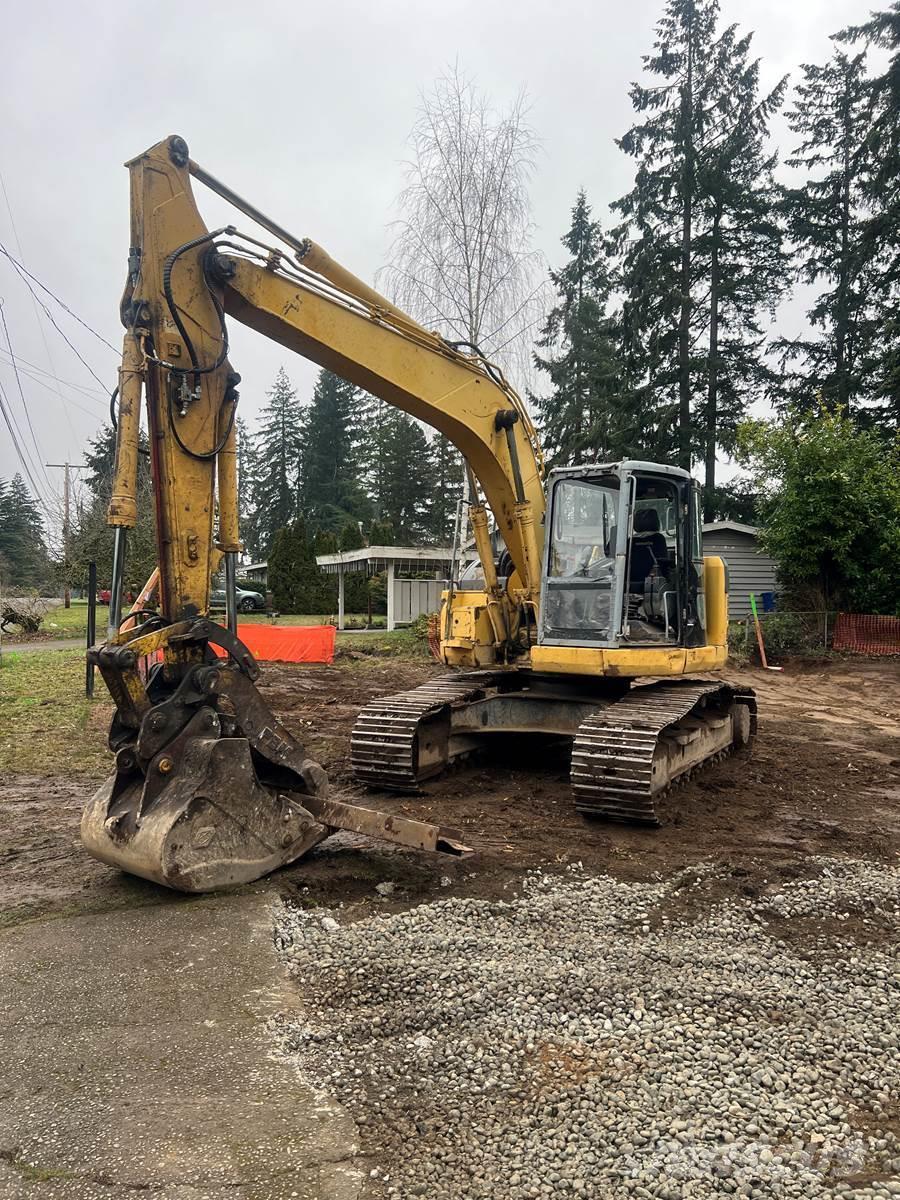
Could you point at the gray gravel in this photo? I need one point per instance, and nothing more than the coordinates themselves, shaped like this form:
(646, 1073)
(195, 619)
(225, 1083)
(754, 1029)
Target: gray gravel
(584, 1040)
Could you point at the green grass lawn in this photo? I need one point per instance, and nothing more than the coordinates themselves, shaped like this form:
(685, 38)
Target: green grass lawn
(261, 618)
(47, 725)
(72, 622)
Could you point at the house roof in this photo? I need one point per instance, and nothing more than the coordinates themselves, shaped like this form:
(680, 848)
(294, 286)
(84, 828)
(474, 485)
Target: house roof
(398, 555)
(733, 526)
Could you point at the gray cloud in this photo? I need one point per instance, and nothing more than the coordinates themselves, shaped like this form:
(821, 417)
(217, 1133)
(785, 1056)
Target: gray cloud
(303, 108)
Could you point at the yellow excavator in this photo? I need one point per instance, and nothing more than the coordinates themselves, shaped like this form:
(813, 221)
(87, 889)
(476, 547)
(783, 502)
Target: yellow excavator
(591, 605)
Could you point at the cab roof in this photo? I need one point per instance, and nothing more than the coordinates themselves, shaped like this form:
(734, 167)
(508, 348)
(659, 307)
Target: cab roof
(619, 468)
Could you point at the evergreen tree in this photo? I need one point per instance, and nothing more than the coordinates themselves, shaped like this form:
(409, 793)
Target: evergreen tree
(399, 470)
(581, 419)
(330, 487)
(91, 538)
(699, 214)
(740, 249)
(246, 478)
(356, 591)
(374, 451)
(381, 533)
(277, 449)
(447, 469)
(23, 552)
(827, 218)
(659, 212)
(298, 585)
(351, 537)
(880, 186)
(325, 542)
(408, 480)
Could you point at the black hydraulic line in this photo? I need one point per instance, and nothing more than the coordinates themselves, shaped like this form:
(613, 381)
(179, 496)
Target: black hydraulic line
(203, 455)
(505, 421)
(195, 369)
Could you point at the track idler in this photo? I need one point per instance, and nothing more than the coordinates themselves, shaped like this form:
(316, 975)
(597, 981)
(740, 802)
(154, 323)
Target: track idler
(210, 790)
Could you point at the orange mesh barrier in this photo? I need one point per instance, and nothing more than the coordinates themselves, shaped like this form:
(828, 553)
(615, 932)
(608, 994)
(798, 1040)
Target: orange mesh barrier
(866, 634)
(287, 643)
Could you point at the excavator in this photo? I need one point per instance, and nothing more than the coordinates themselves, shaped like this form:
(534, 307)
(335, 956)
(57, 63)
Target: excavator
(591, 624)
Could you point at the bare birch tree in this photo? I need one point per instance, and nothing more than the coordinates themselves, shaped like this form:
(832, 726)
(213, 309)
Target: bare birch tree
(462, 261)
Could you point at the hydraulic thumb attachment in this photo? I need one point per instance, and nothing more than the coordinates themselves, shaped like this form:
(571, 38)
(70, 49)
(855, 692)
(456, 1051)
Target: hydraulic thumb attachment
(210, 790)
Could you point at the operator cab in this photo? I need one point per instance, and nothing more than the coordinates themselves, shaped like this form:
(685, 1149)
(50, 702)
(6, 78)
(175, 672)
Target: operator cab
(623, 557)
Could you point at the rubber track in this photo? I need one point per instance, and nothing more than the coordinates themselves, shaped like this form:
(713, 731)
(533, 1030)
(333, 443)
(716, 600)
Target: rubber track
(612, 755)
(382, 745)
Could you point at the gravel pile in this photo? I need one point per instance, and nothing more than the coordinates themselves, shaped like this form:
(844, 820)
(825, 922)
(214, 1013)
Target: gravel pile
(584, 1040)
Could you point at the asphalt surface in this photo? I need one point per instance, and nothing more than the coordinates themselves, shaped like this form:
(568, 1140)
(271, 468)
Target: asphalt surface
(136, 1059)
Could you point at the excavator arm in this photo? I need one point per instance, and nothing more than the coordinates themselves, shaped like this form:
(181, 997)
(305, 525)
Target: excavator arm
(184, 279)
(209, 788)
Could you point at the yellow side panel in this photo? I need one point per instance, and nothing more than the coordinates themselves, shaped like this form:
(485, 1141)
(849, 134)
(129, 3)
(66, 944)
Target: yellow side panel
(715, 592)
(634, 662)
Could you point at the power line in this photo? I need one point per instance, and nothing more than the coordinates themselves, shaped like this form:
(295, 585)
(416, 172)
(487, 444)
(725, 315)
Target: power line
(62, 304)
(15, 366)
(88, 388)
(33, 371)
(23, 275)
(65, 400)
(37, 317)
(15, 434)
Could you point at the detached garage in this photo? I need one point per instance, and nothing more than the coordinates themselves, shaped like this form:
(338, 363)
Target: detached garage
(749, 570)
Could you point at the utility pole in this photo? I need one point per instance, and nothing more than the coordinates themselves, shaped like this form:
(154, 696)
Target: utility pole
(66, 467)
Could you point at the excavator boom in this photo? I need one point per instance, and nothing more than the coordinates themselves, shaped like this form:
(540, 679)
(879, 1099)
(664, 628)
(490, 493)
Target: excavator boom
(209, 788)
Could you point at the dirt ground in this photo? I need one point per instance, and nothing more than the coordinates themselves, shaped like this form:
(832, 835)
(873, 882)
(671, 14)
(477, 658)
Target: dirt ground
(823, 777)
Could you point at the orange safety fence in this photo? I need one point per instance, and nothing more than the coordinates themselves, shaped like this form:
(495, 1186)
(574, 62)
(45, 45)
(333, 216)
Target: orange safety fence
(287, 643)
(866, 634)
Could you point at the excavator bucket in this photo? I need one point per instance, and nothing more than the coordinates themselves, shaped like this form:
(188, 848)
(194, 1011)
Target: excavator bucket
(210, 790)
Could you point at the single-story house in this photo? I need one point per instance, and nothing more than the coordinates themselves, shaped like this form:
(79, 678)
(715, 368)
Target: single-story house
(257, 571)
(749, 569)
(408, 594)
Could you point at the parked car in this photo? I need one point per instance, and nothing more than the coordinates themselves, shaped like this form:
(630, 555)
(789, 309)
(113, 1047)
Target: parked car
(246, 601)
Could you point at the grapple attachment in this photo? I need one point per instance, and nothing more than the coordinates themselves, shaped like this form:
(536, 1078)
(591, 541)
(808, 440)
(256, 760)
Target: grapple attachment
(210, 790)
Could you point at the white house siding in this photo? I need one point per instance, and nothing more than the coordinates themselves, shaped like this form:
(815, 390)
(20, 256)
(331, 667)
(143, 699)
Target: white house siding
(749, 570)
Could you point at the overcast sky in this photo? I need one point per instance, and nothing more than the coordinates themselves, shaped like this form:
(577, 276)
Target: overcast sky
(304, 109)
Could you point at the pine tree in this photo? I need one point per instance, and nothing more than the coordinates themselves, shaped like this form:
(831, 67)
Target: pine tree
(826, 220)
(408, 480)
(693, 225)
(447, 468)
(399, 469)
(246, 477)
(330, 487)
(659, 213)
(880, 187)
(374, 451)
(580, 420)
(277, 447)
(740, 248)
(22, 546)
(91, 538)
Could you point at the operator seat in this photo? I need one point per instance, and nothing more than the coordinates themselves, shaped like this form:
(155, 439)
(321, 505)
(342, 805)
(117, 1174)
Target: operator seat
(648, 547)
